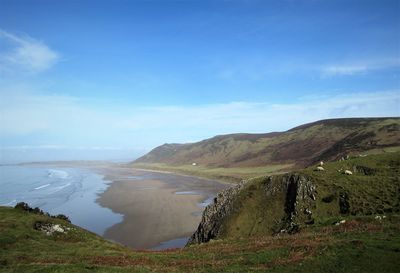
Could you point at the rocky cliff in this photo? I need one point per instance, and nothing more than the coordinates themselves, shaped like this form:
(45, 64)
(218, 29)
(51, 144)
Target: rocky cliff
(300, 197)
(299, 201)
(214, 215)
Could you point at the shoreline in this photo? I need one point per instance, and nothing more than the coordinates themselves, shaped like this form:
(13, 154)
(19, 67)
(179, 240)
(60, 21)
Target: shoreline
(230, 180)
(68, 190)
(157, 208)
(177, 173)
(228, 175)
(97, 165)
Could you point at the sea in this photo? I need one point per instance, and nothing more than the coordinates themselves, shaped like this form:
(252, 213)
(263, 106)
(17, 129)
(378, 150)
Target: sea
(69, 191)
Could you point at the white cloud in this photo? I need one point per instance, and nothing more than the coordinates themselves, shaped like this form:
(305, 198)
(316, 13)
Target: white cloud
(358, 68)
(344, 70)
(58, 121)
(24, 53)
(263, 69)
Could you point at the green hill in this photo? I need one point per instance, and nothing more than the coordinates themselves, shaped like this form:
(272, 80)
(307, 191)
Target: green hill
(306, 221)
(241, 156)
(303, 145)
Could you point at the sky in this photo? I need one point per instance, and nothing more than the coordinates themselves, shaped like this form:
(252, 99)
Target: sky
(114, 79)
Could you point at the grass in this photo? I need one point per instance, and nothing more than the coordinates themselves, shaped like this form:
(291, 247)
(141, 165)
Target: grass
(382, 150)
(224, 174)
(376, 192)
(373, 189)
(362, 244)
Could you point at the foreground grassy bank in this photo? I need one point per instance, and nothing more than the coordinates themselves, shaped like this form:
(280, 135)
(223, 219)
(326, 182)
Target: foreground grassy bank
(361, 244)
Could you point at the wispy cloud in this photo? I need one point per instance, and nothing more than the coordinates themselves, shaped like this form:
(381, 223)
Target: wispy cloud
(23, 53)
(70, 122)
(344, 70)
(358, 68)
(262, 68)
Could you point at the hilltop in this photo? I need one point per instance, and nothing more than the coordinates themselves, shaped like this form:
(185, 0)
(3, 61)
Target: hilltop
(240, 156)
(304, 221)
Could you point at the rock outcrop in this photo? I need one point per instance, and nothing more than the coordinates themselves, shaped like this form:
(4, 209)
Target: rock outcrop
(299, 203)
(50, 228)
(364, 170)
(215, 214)
(300, 196)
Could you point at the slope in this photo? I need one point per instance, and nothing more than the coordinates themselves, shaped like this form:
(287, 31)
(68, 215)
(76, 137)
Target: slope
(293, 149)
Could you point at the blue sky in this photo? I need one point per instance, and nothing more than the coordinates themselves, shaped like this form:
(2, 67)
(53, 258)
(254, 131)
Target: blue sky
(113, 79)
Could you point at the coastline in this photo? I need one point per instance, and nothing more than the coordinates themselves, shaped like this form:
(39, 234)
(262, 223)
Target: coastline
(198, 176)
(68, 190)
(160, 209)
(231, 180)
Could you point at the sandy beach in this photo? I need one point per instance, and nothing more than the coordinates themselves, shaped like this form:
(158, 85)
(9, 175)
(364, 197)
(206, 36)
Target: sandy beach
(156, 207)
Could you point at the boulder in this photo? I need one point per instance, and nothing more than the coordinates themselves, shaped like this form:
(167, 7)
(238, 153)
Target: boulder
(50, 228)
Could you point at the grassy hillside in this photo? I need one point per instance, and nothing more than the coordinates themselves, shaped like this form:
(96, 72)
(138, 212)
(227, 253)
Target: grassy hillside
(362, 244)
(310, 198)
(293, 149)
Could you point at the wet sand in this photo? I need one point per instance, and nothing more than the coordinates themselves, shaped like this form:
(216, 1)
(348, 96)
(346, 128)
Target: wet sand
(157, 207)
(160, 209)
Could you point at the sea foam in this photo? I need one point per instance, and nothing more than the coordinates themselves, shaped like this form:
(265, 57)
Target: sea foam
(41, 187)
(57, 174)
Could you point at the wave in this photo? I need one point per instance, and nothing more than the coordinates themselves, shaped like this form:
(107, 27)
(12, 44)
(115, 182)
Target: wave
(57, 174)
(187, 193)
(56, 189)
(206, 202)
(63, 186)
(43, 186)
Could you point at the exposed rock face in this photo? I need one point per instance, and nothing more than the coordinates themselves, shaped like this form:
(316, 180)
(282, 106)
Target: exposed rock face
(344, 204)
(214, 215)
(49, 228)
(299, 202)
(298, 207)
(364, 170)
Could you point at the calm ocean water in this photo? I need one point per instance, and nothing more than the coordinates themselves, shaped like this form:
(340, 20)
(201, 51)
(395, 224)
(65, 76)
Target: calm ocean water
(56, 190)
